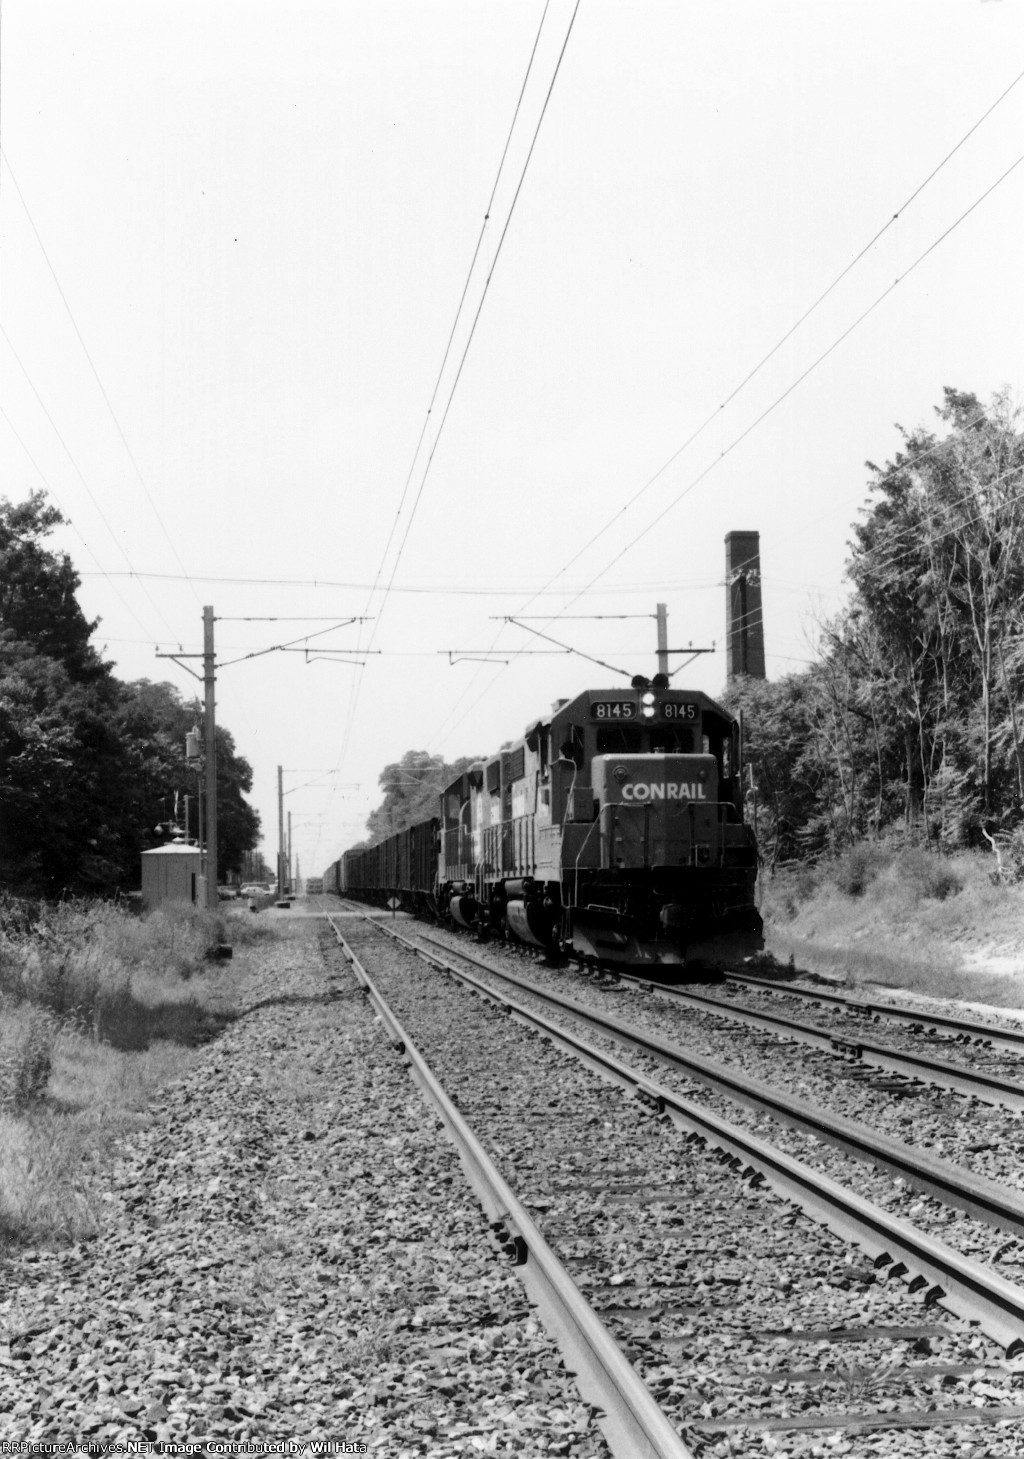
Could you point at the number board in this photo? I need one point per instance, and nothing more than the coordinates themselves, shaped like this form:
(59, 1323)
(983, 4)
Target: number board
(675, 710)
(613, 709)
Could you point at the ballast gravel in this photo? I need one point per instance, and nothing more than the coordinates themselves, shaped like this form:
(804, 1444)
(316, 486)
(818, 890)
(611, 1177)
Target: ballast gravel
(959, 1129)
(290, 1252)
(730, 1302)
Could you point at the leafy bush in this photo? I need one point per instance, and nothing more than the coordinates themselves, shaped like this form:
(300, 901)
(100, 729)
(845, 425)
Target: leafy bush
(856, 869)
(929, 874)
(789, 888)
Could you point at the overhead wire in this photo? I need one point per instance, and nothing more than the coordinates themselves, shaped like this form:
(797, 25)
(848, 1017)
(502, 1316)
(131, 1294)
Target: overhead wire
(92, 366)
(865, 314)
(680, 496)
(355, 691)
(71, 523)
(479, 309)
(77, 469)
(458, 311)
(436, 591)
(864, 251)
(750, 375)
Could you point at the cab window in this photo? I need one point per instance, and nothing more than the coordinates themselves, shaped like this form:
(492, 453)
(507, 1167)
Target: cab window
(619, 739)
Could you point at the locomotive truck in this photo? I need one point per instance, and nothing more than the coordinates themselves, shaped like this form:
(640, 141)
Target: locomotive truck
(612, 832)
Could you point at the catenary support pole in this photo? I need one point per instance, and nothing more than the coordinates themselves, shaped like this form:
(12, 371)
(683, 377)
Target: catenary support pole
(662, 617)
(209, 680)
(280, 831)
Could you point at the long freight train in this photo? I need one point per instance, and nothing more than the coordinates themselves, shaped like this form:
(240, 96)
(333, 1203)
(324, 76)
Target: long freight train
(612, 832)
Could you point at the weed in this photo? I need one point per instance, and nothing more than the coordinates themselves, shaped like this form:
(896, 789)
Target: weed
(857, 868)
(26, 1056)
(929, 874)
(861, 1383)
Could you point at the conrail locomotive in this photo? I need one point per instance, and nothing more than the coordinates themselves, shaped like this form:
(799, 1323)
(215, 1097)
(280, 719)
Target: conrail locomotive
(612, 832)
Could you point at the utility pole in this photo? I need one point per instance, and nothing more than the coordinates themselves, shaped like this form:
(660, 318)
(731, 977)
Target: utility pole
(209, 680)
(192, 751)
(289, 851)
(280, 831)
(662, 617)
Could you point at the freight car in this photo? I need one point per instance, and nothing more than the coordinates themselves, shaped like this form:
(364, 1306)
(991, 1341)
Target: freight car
(613, 832)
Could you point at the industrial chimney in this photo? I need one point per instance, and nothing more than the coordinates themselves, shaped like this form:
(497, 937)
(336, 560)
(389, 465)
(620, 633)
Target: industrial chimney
(744, 619)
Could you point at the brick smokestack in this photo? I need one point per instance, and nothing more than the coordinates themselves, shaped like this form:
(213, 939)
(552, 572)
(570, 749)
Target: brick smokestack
(744, 620)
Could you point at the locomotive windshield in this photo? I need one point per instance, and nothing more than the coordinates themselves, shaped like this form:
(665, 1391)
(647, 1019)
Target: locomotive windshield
(634, 739)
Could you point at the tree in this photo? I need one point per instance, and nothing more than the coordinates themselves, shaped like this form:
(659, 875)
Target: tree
(412, 788)
(88, 765)
(913, 713)
(154, 719)
(939, 573)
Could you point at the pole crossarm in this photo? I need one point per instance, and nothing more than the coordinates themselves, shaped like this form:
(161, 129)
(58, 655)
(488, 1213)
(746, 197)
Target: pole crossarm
(178, 660)
(693, 652)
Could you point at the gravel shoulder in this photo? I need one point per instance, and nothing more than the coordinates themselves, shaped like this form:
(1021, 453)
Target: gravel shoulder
(289, 1251)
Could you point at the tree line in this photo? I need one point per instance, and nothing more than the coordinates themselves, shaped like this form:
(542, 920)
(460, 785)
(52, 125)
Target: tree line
(89, 765)
(911, 716)
(412, 789)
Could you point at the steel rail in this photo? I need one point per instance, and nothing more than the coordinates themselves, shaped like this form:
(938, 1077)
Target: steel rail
(945, 1276)
(1008, 1039)
(631, 1420)
(984, 1199)
(944, 1073)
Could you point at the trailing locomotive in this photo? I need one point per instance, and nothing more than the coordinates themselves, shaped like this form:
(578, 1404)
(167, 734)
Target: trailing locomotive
(612, 831)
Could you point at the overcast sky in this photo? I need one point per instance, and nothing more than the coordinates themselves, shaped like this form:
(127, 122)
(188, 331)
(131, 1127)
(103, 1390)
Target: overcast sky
(233, 242)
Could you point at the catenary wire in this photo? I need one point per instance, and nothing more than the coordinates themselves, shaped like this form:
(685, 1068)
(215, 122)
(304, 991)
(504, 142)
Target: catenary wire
(78, 470)
(462, 301)
(73, 525)
(92, 366)
(865, 314)
(355, 692)
(748, 430)
(694, 436)
(476, 316)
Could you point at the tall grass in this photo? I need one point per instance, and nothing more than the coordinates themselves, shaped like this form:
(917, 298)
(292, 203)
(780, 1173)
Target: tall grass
(903, 917)
(97, 1008)
(125, 979)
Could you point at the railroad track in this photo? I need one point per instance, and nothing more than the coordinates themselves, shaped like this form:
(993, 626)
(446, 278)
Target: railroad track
(920, 1019)
(632, 1420)
(698, 1271)
(1003, 1087)
(988, 1202)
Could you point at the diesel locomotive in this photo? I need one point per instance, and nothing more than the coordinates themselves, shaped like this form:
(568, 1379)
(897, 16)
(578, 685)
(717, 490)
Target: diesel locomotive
(612, 832)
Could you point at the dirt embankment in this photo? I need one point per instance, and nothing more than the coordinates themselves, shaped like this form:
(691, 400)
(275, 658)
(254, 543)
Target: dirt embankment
(937, 925)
